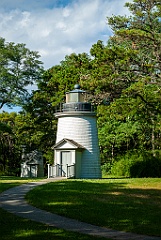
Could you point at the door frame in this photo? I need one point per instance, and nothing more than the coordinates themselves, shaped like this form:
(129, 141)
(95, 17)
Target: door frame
(63, 166)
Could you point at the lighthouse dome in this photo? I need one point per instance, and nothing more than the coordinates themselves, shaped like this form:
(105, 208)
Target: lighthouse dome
(77, 86)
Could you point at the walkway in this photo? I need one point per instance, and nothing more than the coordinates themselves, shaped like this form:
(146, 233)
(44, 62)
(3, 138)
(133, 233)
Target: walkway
(13, 201)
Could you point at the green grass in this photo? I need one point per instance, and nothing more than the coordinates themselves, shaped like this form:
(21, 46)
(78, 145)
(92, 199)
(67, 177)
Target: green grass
(16, 228)
(132, 205)
(8, 182)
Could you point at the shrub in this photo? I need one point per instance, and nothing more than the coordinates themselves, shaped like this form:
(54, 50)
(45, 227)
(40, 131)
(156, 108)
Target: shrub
(150, 166)
(137, 165)
(106, 167)
(123, 165)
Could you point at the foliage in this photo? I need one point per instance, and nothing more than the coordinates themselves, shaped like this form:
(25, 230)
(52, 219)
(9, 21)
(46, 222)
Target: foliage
(132, 120)
(135, 164)
(150, 166)
(19, 68)
(9, 151)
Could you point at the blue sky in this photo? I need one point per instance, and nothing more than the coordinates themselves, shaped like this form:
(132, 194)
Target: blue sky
(56, 28)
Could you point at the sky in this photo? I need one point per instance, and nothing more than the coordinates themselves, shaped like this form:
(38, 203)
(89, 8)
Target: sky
(56, 28)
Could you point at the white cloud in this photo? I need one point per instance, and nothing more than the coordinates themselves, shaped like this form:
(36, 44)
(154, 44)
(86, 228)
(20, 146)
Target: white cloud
(56, 28)
(57, 31)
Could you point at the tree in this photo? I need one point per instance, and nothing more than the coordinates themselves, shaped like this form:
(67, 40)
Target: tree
(132, 54)
(141, 34)
(9, 149)
(19, 68)
(40, 124)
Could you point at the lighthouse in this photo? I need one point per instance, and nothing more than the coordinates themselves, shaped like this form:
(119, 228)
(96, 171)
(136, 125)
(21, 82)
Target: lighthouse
(77, 137)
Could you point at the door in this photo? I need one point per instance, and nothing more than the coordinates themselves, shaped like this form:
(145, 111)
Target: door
(33, 171)
(66, 159)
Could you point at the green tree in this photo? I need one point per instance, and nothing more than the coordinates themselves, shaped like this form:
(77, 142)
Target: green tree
(9, 149)
(141, 33)
(128, 69)
(19, 68)
(40, 127)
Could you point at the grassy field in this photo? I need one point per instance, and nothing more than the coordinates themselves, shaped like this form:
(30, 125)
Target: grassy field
(132, 205)
(15, 228)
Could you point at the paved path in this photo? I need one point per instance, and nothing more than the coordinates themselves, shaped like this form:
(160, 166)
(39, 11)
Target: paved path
(13, 201)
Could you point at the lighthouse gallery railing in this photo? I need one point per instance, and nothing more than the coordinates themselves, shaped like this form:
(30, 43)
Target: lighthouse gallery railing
(78, 106)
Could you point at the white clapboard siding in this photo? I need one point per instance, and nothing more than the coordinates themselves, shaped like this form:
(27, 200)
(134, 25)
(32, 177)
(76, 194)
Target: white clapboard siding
(82, 128)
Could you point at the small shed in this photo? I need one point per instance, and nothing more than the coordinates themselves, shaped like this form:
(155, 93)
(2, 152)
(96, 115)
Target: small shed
(32, 165)
(68, 153)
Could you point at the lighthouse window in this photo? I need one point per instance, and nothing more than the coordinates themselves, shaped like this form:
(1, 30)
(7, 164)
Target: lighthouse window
(74, 97)
(81, 97)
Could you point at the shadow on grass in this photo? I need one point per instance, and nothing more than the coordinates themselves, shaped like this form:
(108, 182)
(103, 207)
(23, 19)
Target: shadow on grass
(108, 203)
(15, 228)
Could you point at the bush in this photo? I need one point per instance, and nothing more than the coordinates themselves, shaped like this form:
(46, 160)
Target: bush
(137, 165)
(122, 166)
(106, 167)
(150, 166)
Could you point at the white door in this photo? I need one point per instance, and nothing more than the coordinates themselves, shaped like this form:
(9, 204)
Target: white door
(66, 159)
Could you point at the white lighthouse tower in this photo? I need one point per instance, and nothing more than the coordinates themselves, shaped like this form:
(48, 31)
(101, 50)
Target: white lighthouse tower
(77, 137)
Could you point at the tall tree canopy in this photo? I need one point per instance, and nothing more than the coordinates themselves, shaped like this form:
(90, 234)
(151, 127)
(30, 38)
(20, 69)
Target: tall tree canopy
(136, 45)
(19, 68)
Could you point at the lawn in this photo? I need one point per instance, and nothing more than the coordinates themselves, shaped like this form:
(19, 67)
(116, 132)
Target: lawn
(15, 228)
(132, 205)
